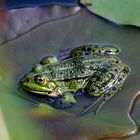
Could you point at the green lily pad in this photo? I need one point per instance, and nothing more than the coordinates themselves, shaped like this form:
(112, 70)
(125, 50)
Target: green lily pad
(120, 11)
(27, 120)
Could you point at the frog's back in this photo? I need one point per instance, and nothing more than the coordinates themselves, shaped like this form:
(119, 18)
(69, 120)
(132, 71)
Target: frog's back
(71, 68)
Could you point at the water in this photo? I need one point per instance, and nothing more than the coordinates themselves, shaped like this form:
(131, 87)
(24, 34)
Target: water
(27, 120)
(27, 3)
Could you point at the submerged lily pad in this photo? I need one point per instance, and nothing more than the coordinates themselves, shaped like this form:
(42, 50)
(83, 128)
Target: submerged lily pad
(16, 22)
(17, 57)
(120, 11)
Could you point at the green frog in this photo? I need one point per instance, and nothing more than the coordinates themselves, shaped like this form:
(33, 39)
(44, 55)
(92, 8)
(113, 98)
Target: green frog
(94, 68)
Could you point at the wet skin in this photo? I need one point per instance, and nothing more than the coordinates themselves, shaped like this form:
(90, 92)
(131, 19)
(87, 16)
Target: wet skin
(92, 67)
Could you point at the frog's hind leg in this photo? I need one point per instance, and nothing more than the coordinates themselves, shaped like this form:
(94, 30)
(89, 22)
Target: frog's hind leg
(94, 49)
(104, 84)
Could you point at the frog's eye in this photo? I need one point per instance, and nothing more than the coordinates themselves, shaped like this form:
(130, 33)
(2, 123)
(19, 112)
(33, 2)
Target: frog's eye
(37, 68)
(40, 79)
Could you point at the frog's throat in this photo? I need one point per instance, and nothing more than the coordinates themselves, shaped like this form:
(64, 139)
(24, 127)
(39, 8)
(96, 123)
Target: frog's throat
(34, 88)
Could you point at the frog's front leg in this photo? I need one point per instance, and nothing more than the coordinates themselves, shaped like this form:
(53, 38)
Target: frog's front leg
(104, 84)
(66, 100)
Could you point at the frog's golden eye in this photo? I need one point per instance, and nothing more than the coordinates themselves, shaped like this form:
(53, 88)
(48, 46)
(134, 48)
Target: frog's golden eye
(37, 68)
(40, 79)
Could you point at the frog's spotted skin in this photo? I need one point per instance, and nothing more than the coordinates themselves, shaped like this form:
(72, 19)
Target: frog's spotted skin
(92, 67)
(94, 49)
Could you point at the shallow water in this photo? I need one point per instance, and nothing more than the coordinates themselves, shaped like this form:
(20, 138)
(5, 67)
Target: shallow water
(43, 122)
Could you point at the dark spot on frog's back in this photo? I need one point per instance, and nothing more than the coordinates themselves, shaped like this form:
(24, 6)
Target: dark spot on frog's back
(71, 71)
(116, 70)
(104, 70)
(117, 50)
(99, 79)
(87, 53)
(83, 71)
(114, 88)
(120, 79)
(93, 90)
(89, 49)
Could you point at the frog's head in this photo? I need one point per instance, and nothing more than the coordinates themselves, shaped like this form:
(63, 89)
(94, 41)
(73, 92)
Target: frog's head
(38, 83)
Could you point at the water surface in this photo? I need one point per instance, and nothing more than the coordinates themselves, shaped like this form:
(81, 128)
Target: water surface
(17, 57)
(27, 3)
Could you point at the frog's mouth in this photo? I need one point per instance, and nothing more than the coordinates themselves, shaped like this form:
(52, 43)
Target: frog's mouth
(40, 90)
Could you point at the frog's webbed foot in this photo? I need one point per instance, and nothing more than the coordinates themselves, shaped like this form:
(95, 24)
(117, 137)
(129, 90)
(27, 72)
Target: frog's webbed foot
(94, 49)
(48, 60)
(104, 84)
(66, 101)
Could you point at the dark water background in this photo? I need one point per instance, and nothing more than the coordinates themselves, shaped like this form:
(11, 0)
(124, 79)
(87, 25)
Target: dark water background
(24, 3)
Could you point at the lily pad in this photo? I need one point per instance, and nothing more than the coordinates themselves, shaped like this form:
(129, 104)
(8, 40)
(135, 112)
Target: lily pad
(120, 11)
(25, 117)
(17, 22)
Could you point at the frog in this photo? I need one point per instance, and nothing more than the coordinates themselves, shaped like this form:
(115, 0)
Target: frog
(92, 67)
